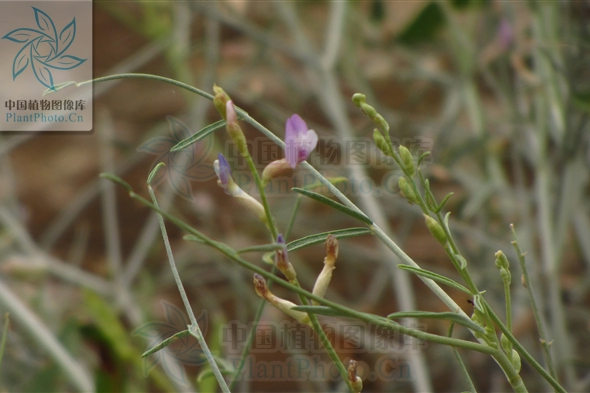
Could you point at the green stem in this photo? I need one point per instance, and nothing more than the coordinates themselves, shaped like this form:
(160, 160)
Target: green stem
(325, 341)
(538, 318)
(194, 329)
(461, 363)
(246, 350)
(269, 218)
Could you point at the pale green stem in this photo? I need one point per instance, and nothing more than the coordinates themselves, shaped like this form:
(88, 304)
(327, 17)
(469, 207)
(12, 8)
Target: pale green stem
(538, 317)
(194, 329)
(472, 388)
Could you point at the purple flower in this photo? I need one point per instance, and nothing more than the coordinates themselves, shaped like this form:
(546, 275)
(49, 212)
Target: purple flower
(505, 33)
(299, 140)
(223, 171)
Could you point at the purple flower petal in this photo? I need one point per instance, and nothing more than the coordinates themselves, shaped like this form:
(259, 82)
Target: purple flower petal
(223, 170)
(299, 140)
(307, 144)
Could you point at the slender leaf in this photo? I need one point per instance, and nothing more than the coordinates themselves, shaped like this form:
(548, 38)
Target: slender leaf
(321, 237)
(321, 310)
(333, 180)
(198, 135)
(263, 247)
(154, 172)
(193, 238)
(116, 179)
(334, 204)
(450, 316)
(165, 343)
(436, 277)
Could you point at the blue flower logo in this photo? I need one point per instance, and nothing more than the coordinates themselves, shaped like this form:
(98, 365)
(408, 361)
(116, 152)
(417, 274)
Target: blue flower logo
(44, 49)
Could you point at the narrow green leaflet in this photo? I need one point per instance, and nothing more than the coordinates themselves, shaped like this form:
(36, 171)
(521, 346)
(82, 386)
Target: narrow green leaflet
(198, 135)
(117, 180)
(334, 204)
(165, 343)
(321, 310)
(321, 237)
(436, 277)
(193, 238)
(449, 316)
(333, 180)
(263, 247)
(154, 172)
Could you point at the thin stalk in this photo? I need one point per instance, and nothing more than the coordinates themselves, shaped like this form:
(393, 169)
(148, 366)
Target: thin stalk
(538, 317)
(461, 363)
(548, 106)
(293, 216)
(246, 350)
(325, 341)
(269, 217)
(194, 329)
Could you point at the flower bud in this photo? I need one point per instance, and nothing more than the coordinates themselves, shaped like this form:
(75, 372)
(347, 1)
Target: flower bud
(226, 181)
(284, 305)
(282, 261)
(515, 360)
(325, 276)
(407, 191)
(501, 260)
(381, 142)
(332, 248)
(407, 160)
(355, 381)
(358, 99)
(219, 100)
(234, 130)
(275, 169)
(436, 230)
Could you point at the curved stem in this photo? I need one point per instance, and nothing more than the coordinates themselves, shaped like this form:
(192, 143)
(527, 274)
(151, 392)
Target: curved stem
(194, 329)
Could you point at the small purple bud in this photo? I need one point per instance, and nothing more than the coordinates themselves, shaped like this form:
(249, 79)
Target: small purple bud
(223, 171)
(505, 33)
(282, 260)
(299, 140)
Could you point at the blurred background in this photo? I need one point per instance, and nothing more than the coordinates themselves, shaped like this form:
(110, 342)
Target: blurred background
(496, 90)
